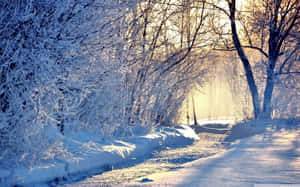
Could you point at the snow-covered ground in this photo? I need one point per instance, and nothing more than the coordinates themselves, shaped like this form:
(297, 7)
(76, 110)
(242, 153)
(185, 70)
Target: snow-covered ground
(272, 157)
(160, 161)
(89, 152)
(224, 122)
(209, 121)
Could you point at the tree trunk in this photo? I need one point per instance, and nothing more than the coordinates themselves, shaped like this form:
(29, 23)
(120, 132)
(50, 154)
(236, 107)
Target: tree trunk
(4, 101)
(274, 49)
(194, 112)
(245, 61)
(60, 115)
(267, 108)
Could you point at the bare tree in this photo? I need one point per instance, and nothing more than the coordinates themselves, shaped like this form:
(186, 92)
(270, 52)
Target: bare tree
(271, 28)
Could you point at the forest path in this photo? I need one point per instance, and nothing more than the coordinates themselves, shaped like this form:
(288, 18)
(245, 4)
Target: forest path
(165, 161)
(267, 159)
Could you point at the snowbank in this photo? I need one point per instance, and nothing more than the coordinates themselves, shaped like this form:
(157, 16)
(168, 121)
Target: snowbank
(248, 128)
(95, 153)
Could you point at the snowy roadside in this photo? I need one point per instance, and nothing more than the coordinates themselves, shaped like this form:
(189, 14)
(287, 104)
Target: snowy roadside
(92, 152)
(270, 158)
(166, 160)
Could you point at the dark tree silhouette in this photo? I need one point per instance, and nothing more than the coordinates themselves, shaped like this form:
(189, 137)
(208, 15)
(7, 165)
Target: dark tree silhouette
(279, 22)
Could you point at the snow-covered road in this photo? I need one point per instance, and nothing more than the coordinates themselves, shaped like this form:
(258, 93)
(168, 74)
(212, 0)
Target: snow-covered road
(269, 158)
(161, 161)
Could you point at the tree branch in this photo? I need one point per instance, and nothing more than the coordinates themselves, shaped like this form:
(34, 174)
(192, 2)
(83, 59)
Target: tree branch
(286, 60)
(244, 46)
(287, 73)
(191, 45)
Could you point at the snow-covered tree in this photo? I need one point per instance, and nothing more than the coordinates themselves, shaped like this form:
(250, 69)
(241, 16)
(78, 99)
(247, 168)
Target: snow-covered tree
(49, 68)
(108, 67)
(270, 28)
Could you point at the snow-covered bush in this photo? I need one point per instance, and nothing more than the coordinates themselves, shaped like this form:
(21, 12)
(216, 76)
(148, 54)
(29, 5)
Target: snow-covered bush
(30, 56)
(77, 65)
(47, 71)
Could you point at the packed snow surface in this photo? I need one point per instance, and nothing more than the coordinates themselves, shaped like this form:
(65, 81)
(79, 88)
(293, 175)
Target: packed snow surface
(206, 122)
(270, 158)
(89, 151)
(217, 121)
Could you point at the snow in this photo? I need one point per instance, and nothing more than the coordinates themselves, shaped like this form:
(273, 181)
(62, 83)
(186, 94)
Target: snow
(89, 151)
(210, 121)
(271, 157)
(224, 122)
(4, 173)
(44, 172)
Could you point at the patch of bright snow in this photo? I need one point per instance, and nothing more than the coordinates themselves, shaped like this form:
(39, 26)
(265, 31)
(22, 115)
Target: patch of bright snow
(272, 157)
(89, 151)
(205, 122)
